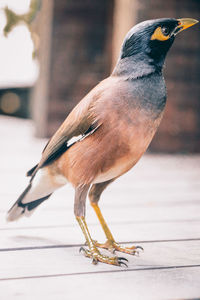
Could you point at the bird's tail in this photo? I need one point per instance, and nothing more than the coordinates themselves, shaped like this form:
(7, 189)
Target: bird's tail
(39, 189)
(20, 209)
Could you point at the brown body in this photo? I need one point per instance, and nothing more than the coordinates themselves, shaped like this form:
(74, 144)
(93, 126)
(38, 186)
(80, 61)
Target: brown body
(125, 132)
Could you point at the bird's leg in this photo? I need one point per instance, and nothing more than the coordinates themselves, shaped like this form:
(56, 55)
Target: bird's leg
(110, 244)
(92, 252)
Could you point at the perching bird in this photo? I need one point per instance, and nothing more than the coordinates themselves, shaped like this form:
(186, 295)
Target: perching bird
(107, 132)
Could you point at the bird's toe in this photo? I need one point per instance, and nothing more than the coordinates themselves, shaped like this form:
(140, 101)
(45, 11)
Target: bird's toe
(98, 257)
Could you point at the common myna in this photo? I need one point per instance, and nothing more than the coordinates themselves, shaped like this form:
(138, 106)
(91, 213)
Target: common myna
(107, 132)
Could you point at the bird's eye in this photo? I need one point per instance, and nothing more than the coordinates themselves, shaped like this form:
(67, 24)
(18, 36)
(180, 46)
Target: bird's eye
(165, 30)
(161, 33)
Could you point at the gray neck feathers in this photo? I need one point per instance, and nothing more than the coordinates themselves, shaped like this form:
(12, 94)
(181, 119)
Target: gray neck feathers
(134, 67)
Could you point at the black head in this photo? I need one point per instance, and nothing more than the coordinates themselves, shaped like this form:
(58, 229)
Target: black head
(148, 42)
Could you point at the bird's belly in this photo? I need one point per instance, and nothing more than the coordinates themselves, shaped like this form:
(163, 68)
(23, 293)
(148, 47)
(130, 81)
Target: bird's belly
(118, 169)
(123, 164)
(137, 144)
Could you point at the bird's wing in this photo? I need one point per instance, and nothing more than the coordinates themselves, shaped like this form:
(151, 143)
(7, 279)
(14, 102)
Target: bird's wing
(80, 123)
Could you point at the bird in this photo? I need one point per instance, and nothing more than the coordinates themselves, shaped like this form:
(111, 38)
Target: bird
(106, 134)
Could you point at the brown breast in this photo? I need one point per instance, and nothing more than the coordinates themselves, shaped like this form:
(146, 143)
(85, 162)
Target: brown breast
(111, 151)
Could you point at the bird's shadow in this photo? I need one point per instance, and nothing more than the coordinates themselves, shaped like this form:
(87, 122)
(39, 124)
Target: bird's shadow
(39, 241)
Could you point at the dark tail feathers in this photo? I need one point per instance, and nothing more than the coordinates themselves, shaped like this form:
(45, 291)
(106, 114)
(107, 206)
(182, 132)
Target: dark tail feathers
(19, 209)
(31, 171)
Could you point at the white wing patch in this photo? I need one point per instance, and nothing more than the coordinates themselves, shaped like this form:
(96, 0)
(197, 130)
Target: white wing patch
(74, 139)
(81, 137)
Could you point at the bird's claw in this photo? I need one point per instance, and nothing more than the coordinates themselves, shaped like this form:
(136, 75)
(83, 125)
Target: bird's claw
(82, 249)
(139, 247)
(97, 256)
(94, 261)
(112, 246)
(121, 262)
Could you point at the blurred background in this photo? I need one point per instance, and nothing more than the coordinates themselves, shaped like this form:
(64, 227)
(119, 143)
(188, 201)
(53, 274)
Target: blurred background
(53, 52)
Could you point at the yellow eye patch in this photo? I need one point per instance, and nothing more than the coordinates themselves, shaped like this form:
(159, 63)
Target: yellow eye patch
(158, 35)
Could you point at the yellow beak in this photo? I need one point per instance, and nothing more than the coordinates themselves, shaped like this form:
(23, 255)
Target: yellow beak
(185, 23)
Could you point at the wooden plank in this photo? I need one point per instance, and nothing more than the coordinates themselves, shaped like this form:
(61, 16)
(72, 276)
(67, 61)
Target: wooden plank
(176, 283)
(45, 262)
(71, 234)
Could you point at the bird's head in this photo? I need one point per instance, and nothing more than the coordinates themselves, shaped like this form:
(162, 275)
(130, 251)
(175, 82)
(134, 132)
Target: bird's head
(147, 43)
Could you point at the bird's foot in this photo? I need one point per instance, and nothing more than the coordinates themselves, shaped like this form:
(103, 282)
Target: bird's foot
(97, 256)
(112, 246)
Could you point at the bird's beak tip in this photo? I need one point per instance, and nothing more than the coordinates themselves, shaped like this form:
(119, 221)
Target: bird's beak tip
(186, 23)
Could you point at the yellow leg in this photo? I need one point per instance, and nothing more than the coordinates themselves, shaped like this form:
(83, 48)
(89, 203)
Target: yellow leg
(93, 252)
(110, 244)
(102, 221)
